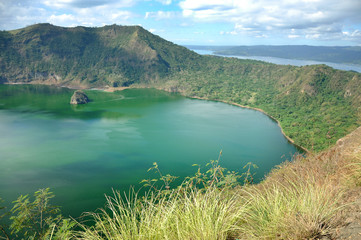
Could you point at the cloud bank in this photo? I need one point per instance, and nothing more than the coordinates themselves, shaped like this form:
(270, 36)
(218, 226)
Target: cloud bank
(312, 19)
(64, 12)
(301, 21)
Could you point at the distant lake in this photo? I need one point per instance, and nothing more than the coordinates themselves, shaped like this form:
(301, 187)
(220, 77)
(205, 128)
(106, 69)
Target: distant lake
(284, 61)
(82, 152)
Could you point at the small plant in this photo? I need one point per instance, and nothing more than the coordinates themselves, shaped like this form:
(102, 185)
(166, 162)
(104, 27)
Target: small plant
(165, 179)
(213, 175)
(220, 177)
(248, 176)
(39, 219)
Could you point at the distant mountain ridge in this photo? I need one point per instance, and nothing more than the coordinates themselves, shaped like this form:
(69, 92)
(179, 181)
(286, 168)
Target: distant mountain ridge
(315, 105)
(336, 54)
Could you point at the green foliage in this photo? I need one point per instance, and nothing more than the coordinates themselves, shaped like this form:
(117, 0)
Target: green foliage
(212, 204)
(315, 105)
(165, 179)
(213, 175)
(206, 207)
(309, 102)
(247, 175)
(182, 214)
(39, 219)
(91, 57)
(201, 207)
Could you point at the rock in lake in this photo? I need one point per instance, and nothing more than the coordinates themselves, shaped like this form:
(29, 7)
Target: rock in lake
(79, 97)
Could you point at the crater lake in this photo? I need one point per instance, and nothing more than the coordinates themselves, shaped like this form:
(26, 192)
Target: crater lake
(84, 151)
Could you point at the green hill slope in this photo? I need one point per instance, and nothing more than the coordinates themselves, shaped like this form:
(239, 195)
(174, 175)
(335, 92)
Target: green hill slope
(87, 57)
(316, 105)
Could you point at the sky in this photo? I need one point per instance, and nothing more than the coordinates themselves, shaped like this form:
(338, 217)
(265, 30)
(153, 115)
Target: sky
(203, 22)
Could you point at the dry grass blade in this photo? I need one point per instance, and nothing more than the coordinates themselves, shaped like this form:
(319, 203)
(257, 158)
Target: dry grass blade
(291, 210)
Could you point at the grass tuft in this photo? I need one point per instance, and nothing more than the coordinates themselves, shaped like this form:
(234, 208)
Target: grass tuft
(130, 217)
(353, 176)
(181, 214)
(295, 210)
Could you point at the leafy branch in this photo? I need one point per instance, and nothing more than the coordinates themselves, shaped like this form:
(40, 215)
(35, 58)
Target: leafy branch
(39, 219)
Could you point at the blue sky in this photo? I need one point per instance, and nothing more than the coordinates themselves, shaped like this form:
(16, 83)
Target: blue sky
(203, 22)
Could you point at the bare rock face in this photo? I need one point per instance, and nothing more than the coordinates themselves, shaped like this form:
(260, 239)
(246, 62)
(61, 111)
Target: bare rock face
(79, 97)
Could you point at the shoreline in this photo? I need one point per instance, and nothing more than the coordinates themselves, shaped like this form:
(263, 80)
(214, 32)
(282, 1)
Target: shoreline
(106, 89)
(256, 109)
(114, 89)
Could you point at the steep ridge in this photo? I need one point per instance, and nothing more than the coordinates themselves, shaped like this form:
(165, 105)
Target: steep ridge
(315, 105)
(86, 57)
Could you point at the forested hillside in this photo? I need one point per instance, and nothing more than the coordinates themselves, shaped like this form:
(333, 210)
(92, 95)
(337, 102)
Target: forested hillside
(87, 57)
(316, 105)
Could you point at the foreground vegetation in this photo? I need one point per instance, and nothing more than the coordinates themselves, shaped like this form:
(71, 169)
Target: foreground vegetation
(303, 199)
(315, 105)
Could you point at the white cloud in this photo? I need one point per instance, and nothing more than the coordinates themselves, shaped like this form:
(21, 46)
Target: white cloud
(313, 19)
(22, 12)
(153, 30)
(239, 19)
(87, 3)
(119, 16)
(355, 33)
(165, 2)
(160, 15)
(293, 36)
(64, 12)
(91, 12)
(61, 19)
(313, 36)
(262, 36)
(91, 17)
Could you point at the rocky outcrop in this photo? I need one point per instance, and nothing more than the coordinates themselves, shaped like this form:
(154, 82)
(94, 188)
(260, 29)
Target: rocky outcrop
(79, 97)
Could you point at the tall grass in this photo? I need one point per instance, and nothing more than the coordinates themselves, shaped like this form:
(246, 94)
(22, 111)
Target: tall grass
(131, 217)
(181, 214)
(353, 177)
(294, 210)
(299, 207)
(300, 200)
(209, 214)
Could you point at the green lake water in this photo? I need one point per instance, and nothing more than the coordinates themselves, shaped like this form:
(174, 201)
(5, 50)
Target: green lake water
(82, 152)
